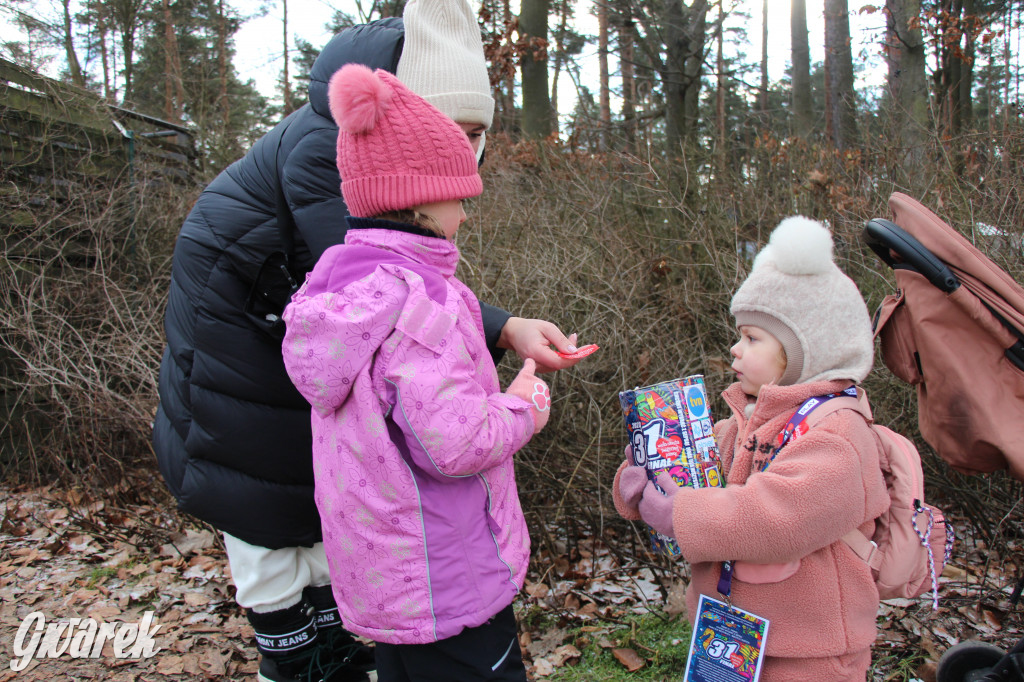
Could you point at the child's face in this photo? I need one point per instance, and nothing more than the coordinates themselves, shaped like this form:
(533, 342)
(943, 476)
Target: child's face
(474, 131)
(448, 214)
(759, 359)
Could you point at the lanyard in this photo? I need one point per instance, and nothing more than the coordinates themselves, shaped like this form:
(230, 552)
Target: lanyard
(795, 427)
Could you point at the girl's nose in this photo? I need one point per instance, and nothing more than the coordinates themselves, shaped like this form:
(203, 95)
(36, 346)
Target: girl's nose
(734, 351)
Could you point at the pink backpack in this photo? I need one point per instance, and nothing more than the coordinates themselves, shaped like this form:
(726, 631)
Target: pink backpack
(912, 541)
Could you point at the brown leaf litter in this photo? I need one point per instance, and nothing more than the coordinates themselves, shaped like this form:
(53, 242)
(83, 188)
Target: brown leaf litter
(69, 554)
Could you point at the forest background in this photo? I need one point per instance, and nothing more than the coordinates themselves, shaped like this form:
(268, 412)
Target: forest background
(640, 206)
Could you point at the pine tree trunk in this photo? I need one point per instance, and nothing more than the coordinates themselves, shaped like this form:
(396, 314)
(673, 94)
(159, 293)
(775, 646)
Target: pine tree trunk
(285, 81)
(672, 79)
(510, 80)
(497, 18)
(763, 99)
(839, 65)
(564, 10)
(693, 70)
(947, 76)
(967, 69)
(626, 57)
(174, 96)
(105, 61)
(684, 30)
(533, 29)
(74, 68)
(803, 115)
(829, 97)
(604, 94)
(223, 103)
(126, 28)
(720, 152)
(908, 85)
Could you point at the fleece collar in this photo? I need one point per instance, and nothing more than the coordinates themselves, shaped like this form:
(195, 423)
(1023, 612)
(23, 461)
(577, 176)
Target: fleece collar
(434, 251)
(774, 399)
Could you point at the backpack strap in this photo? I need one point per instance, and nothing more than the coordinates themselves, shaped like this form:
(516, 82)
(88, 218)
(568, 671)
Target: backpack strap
(799, 422)
(862, 546)
(842, 402)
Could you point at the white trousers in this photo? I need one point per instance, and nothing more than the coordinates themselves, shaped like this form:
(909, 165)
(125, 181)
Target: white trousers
(273, 579)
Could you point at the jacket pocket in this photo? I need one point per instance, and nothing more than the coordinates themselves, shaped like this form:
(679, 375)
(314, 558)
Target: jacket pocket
(761, 574)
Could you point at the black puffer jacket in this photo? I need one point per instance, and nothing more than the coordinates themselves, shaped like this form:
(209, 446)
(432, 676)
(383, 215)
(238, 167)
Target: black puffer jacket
(232, 435)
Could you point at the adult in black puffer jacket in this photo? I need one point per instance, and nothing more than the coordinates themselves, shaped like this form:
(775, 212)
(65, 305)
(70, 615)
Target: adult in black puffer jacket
(232, 435)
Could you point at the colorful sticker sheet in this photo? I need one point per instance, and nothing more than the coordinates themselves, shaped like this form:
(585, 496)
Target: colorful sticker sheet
(727, 644)
(670, 429)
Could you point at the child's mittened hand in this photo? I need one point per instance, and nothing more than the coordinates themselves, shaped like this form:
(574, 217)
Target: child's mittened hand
(534, 391)
(632, 482)
(656, 506)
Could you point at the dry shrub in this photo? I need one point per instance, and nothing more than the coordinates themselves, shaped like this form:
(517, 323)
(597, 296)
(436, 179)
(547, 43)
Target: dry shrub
(605, 248)
(635, 256)
(614, 248)
(82, 291)
(91, 197)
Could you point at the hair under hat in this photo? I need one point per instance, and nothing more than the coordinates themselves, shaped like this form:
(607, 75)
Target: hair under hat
(395, 150)
(443, 59)
(797, 294)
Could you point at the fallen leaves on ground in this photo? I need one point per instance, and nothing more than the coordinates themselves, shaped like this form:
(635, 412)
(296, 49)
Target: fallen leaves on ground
(68, 554)
(630, 660)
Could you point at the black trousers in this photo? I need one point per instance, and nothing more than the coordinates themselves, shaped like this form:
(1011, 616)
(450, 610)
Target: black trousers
(487, 652)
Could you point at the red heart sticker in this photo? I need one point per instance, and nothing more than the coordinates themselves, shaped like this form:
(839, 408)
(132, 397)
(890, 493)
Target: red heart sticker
(670, 447)
(579, 353)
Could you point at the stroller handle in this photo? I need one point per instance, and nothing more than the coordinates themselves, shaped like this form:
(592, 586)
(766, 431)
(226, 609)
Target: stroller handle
(899, 249)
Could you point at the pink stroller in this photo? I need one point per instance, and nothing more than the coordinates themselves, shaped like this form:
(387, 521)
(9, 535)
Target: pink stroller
(954, 329)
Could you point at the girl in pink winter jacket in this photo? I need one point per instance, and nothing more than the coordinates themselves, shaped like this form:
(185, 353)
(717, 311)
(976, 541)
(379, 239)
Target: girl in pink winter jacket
(804, 332)
(413, 437)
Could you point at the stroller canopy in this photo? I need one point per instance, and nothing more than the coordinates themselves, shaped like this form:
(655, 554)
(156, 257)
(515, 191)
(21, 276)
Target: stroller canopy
(954, 329)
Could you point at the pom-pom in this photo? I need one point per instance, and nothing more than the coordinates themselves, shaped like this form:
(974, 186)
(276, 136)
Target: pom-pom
(799, 246)
(358, 98)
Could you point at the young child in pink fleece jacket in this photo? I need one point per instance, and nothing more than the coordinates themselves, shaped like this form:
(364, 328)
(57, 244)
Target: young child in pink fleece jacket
(413, 438)
(804, 331)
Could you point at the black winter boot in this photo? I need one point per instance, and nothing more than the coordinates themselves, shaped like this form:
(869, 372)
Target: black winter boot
(338, 643)
(292, 649)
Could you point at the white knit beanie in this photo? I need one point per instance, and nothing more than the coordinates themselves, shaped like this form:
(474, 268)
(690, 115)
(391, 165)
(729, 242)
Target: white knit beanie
(443, 60)
(797, 294)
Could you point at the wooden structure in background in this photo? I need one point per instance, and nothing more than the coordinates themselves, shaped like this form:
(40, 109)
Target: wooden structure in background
(79, 178)
(60, 145)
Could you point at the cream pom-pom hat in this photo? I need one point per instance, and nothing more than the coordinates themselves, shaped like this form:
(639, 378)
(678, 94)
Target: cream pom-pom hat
(443, 59)
(798, 294)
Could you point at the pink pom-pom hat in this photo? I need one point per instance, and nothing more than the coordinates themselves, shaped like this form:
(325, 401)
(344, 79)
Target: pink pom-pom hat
(395, 150)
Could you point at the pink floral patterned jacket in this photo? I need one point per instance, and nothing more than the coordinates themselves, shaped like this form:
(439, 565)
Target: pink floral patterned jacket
(412, 438)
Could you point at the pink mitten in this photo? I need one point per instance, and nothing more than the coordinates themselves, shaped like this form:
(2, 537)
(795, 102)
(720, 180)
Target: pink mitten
(527, 386)
(632, 482)
(656, 507)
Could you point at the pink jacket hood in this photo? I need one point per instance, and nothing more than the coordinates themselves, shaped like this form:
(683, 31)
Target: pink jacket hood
(430, 262)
